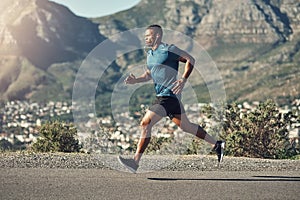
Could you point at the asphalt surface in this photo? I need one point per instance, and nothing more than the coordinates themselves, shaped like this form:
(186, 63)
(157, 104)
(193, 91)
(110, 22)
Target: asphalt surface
(41, 183)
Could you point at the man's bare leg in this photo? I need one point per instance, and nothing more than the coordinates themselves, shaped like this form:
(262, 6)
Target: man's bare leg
(147, 123)
(183, 122)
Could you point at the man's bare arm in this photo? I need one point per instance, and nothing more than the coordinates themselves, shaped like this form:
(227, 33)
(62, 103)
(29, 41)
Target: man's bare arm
(189, 64)
(131, 79)
(188, 68)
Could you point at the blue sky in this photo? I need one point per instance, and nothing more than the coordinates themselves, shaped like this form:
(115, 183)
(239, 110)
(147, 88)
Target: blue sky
(97, 8)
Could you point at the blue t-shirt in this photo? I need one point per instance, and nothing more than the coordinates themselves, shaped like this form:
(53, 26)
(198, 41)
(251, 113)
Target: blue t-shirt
(163, 64)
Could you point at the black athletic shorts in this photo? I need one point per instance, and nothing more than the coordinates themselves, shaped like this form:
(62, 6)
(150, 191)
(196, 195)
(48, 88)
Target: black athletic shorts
(167, 106)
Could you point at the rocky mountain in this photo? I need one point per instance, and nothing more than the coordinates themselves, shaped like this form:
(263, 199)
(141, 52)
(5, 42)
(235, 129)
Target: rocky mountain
(35, 35)
(254, 43)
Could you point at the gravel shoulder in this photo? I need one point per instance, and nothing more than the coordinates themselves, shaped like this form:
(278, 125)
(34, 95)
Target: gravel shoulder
(148, 163)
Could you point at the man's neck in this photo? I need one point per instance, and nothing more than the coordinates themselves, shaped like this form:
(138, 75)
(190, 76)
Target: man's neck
(156, 46)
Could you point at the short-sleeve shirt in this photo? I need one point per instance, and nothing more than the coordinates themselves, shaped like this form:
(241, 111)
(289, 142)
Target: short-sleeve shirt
(163, 64)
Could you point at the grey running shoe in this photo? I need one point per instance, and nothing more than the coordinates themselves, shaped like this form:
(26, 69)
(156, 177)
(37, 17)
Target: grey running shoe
(129, 164)
(219, 148)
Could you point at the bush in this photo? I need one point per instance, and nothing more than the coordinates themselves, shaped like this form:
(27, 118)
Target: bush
(5, 145)
(158, 145)
(194, 147)
(258, 133)
(57, 137)
(261, 132)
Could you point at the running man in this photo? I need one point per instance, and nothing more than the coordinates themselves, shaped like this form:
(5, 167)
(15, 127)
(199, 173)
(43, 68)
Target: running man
(162, 67)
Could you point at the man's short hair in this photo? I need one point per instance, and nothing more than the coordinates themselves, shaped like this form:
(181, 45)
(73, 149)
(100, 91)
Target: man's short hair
(157, 28)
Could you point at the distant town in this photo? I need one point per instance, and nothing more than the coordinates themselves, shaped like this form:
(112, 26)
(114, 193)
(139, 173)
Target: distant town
(19, 122)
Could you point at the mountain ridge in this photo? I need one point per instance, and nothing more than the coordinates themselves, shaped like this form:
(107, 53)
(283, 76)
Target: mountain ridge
(254, 43)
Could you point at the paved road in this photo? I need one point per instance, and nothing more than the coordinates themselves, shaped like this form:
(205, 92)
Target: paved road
(37, 183)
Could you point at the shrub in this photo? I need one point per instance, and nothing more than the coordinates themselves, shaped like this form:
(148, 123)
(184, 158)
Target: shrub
(5, 145)
(158, 145)
(259, 133)
(194, 147)
(57, 137)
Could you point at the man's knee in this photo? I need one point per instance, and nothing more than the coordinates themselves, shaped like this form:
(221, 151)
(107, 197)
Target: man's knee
(145, 122)
(146, 126)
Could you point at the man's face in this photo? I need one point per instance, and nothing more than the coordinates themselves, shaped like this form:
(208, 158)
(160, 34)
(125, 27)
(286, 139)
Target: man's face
(150, 37)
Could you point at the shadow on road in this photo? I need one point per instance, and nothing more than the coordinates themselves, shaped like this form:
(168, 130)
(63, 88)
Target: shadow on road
(252, 179)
